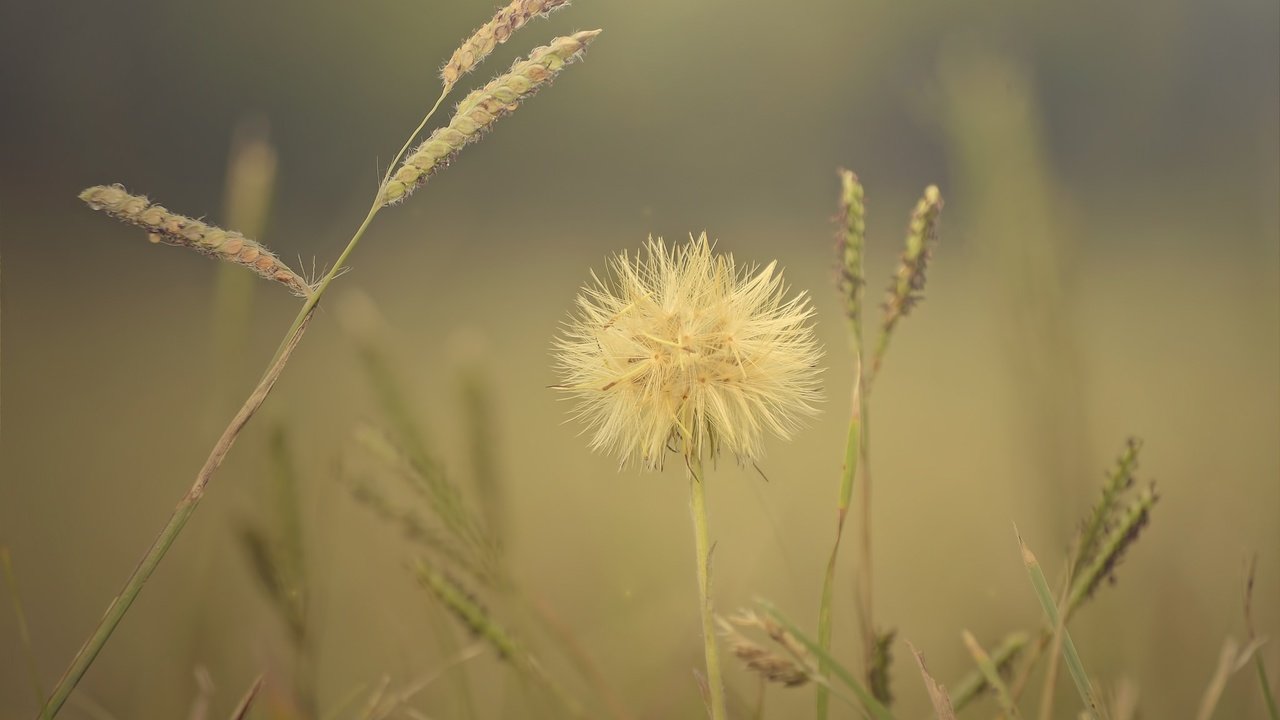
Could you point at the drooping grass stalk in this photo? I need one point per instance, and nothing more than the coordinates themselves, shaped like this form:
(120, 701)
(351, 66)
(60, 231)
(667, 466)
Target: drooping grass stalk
(702, 553)
(24, 632)
(1069, 654)
(852, 243)
(991, 673)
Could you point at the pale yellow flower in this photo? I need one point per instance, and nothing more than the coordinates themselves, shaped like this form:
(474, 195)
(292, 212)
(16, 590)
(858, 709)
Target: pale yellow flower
(679, 350)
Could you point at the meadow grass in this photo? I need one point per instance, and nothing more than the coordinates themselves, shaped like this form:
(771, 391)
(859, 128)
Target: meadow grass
(622, 345)
(476, 114)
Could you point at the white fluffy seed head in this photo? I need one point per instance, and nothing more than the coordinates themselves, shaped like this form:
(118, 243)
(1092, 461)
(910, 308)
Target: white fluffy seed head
(679, 350)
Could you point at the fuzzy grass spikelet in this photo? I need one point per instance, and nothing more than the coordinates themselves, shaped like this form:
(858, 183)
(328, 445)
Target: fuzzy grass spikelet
(772, 666)
(492, 34)
(684, 350)
(479, 110)
(851, 241)
(922, 232)
(173, 229)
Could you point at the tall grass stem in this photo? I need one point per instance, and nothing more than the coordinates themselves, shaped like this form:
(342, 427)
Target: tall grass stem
(160, 547)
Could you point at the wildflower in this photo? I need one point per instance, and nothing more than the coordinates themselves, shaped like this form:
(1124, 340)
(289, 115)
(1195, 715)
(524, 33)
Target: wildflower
(684, 351)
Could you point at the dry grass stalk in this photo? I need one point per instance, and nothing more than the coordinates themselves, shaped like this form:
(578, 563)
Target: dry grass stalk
(498, 30)
(1231, 660)
(937, 692)
(773, 667)
(242, 708)
(481, 109)
(173, 229)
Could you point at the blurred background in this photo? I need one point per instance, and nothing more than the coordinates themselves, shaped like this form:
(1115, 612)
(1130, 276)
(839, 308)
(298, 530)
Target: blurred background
(1109, 266)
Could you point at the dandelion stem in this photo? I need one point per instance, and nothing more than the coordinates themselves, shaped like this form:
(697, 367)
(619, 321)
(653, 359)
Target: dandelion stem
(702, 548)
(121, 603)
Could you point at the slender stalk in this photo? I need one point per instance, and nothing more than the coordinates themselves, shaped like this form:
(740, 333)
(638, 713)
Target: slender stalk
(702, 548)
(133, 585)
(852, 235)
(869, 640)
(853, 446)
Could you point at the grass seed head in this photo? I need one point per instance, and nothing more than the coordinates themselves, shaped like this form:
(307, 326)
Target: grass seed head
(492, 34)
(681, 349)
(479, 110)
(173, 229)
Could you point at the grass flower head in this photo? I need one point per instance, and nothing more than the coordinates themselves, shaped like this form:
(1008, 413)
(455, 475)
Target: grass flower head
(681, 350)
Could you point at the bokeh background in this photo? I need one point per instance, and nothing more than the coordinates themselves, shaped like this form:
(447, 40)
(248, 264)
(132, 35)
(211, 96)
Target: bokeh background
(1109, 266)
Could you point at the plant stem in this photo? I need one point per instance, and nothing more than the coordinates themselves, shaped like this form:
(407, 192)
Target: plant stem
(120, 605)
(870, 642)
(852, 449)
(122, 602)
(702, 548)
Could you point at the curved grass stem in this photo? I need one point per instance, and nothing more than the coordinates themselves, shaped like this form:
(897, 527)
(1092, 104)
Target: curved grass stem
(177, 521)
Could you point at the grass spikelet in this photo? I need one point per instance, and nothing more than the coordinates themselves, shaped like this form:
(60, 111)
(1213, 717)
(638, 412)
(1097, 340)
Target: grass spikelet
(464, 606)
(852, 244)
(869, 704)
(878, 675)
(991, 673)
(908, 283)
(1128, 526)
(791, 670)
(1101, 519)
(498, 30)
(173, 229)
(481, 109)
(467, 609)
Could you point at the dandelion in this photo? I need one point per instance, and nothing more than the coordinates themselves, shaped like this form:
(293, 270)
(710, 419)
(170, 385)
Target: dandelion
(684, 352)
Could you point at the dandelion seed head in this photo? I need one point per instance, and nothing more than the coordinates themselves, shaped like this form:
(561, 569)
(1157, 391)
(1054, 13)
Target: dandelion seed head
(679, 350)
